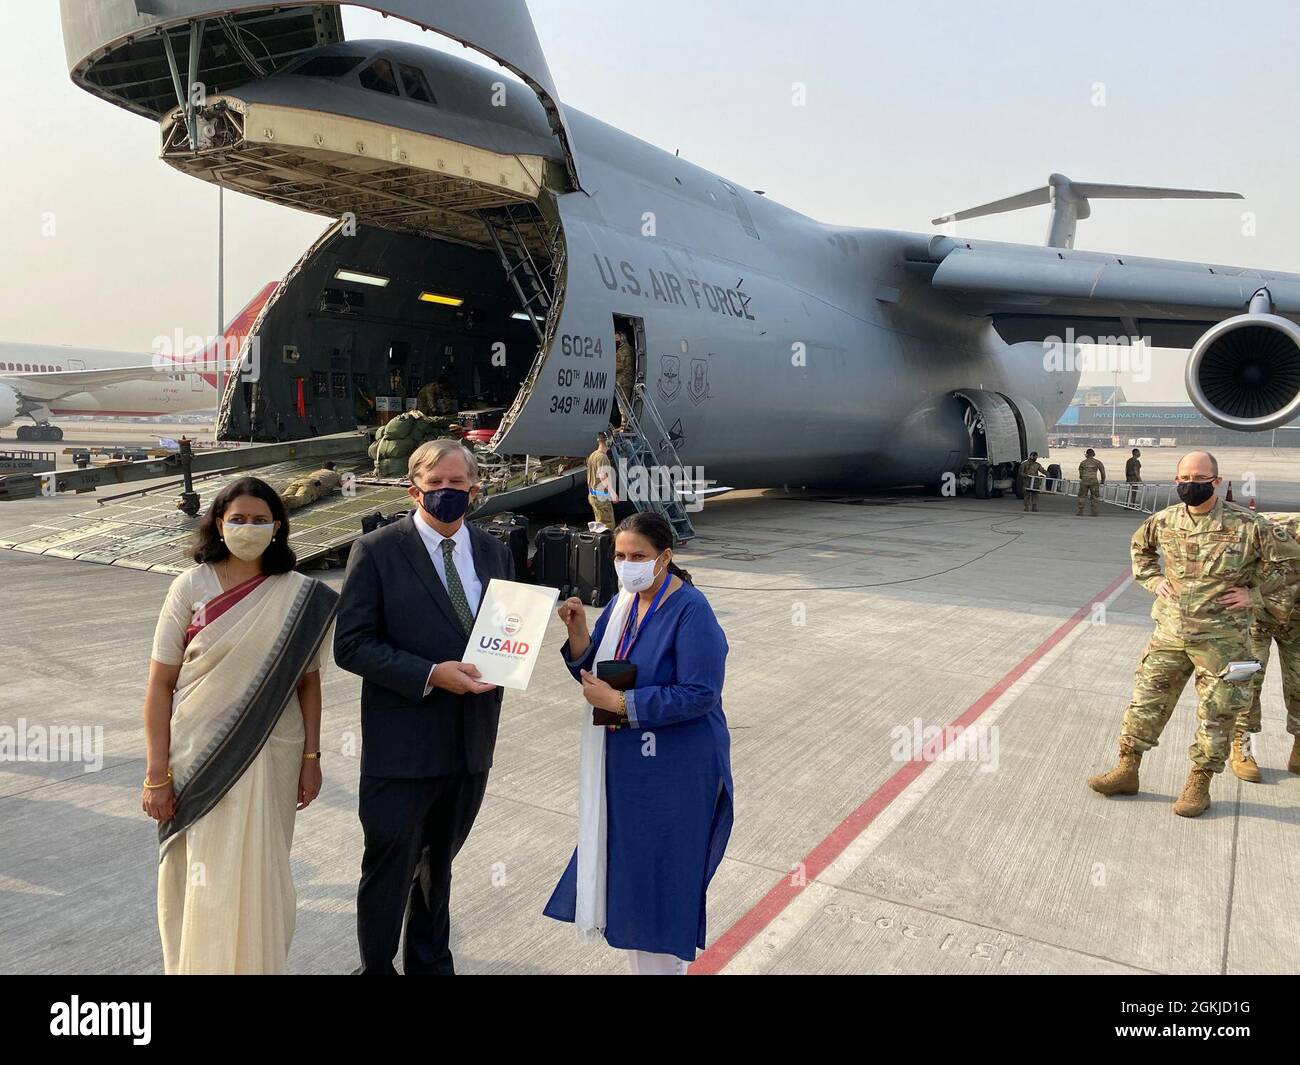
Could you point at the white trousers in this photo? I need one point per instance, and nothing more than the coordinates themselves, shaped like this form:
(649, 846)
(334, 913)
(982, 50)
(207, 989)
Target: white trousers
(644, 963)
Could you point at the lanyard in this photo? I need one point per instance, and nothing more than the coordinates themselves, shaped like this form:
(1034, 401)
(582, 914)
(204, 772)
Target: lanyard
(630, 628)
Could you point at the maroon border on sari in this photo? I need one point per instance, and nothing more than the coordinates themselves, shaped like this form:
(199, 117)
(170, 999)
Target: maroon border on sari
(218, 605)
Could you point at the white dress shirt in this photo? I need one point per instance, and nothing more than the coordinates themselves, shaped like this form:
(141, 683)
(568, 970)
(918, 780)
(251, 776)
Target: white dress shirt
(462, 558)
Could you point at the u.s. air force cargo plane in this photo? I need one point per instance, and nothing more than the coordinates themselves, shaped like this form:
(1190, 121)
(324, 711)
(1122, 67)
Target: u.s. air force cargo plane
(41, 382)
(490, 235)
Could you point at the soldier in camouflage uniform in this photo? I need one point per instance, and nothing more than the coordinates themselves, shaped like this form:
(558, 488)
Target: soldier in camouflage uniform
(303, 491)
(1264, 629)
(624, 367)
(1031, 467)
(1133, 475)
(1216, 574)
(1092, 475)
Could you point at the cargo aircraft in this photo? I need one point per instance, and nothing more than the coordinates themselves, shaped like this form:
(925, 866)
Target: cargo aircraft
(488, 235)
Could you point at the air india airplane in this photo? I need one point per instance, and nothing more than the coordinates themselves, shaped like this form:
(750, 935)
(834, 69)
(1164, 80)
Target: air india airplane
(41, 382)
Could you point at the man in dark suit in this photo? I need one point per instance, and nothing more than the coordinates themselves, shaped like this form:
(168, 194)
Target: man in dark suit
(428, 725)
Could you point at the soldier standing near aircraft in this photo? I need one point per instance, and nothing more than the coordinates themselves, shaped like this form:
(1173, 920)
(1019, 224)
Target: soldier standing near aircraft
(1263, 631)
(1031, 467)
(600, 476)
(1215, 575)
(624, 365)
(1133, 474)
(1092, 475)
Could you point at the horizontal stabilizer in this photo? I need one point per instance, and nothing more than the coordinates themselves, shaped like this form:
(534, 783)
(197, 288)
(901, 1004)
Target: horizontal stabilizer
(1069, 200)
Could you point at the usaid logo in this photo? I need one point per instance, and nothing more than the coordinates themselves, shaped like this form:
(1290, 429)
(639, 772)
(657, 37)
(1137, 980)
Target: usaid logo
(512, 624)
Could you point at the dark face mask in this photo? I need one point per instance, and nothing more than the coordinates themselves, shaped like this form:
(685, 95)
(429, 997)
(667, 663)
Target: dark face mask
(446, 504)
(1194, 493)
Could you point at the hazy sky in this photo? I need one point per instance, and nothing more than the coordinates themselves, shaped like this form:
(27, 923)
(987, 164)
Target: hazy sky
(911, 110)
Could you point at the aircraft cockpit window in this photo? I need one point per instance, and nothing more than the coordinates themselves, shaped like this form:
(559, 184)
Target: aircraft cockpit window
(379, 77)
(416, 84)
(327, 66)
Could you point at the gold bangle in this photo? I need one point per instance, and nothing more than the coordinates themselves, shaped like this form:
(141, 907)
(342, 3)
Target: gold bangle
(315, 755)
(622, 704)
(153, 787)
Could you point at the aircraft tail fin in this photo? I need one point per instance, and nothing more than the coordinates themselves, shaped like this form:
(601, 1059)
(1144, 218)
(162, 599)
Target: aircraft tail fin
(1069, 200)
(221, 352)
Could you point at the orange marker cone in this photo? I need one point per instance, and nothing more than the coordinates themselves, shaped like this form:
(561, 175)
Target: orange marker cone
(1228, 497)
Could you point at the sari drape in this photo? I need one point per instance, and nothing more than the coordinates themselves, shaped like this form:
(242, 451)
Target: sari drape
(225, 894)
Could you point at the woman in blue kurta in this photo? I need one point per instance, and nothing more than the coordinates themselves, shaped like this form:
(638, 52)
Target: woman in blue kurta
(667, 809)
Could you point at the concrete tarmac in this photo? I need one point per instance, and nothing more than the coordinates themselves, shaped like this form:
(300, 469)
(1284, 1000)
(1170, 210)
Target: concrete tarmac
(854, 626)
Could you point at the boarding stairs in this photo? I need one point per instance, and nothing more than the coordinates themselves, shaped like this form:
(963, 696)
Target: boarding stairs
(655, 454)
(1142, 497)
(530, 282)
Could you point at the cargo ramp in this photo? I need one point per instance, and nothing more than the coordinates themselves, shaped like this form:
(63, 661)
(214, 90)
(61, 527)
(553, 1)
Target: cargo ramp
(145, 530)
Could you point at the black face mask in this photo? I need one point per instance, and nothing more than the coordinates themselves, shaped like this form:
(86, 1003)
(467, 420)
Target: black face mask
(446, 504)
(1194, 493)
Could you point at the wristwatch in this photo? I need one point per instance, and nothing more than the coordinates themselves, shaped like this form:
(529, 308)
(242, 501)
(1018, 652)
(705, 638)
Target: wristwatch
(314, 756)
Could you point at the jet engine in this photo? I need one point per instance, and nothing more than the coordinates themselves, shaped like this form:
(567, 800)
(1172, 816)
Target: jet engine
(1244, 372)
(9, 406)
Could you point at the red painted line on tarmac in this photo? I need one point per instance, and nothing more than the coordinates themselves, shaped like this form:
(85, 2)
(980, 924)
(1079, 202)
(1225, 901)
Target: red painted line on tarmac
(784, 891)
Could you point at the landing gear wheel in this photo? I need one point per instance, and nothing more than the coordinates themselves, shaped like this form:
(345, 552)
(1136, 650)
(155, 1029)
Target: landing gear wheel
(55, 433)
(983, 481)
(24, 432)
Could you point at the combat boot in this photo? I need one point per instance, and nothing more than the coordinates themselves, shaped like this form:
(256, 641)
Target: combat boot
(1293, 763)
(1195, 799)
(1242, 760)
(1123, 779)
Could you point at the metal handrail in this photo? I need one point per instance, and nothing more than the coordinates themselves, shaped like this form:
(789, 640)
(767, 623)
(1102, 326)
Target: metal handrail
(1145, 497)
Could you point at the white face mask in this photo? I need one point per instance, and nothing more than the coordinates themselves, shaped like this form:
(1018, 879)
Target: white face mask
(635, 576)
(248, 542)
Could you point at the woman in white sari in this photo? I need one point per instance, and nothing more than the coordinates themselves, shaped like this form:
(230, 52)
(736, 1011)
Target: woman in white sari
(232, 731)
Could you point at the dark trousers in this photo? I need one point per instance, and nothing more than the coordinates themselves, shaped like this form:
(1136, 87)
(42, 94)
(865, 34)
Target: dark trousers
(413, 829)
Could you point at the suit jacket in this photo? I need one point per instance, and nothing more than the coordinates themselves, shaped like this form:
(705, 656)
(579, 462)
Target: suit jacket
(395, 621)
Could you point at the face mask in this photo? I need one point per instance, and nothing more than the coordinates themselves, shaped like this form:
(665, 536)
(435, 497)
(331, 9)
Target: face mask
(635, 576)
(247, 542)
(1194, 493)
(446, 504)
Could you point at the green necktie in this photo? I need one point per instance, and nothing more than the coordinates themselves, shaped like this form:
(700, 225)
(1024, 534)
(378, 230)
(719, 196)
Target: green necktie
(455, 589)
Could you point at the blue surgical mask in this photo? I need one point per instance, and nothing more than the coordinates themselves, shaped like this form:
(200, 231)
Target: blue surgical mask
(447, 504)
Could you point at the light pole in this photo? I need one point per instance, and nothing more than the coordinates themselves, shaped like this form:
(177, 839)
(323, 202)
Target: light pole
(1113, 393)
(221, 300)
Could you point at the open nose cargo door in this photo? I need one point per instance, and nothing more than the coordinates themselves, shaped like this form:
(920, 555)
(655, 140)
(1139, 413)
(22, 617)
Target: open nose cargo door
(143, 54)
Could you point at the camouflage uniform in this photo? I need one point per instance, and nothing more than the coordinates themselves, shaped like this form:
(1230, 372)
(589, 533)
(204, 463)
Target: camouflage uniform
(1133, 475)
(1205, 555)
(436, 398)
(305, 490)
(625, 369)
(1264, 629)
(1092, 475)
(600, 472)
(1030, 468)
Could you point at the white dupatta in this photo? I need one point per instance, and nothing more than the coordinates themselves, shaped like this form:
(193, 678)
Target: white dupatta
(589, 913)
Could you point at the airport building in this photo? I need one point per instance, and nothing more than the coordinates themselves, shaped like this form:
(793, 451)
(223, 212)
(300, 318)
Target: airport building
(1102, 417)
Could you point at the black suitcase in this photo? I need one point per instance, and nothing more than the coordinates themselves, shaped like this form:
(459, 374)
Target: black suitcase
(371, 522)
(592, 566)
(551, 563)
(511, 530)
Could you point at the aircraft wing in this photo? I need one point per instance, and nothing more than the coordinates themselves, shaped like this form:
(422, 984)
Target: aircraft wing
(1240, 323)
(48, 387)
(1033, 292)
